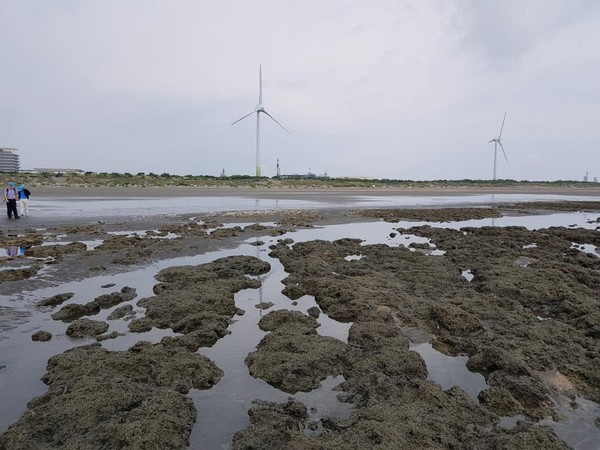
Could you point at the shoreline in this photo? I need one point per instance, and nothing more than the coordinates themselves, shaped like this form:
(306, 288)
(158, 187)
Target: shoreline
(53, 206)
(299, 193)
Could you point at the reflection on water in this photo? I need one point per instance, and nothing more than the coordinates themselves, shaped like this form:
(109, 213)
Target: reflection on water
(586, 248)
(578, 427)
(13, 251)
(144, 206)
(140, 207)
(223, 409)
(467, 275)
(449, 371)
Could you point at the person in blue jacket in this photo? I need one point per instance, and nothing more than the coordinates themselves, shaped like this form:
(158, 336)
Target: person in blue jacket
(23, 194)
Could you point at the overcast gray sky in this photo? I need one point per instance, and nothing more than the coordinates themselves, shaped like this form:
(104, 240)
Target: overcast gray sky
(387, 89)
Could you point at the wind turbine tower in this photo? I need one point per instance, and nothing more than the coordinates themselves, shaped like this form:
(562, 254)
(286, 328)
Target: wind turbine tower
(498, 142)
(258, 110)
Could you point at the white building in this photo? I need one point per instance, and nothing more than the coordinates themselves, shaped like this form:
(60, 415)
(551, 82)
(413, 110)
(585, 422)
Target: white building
(9, 160)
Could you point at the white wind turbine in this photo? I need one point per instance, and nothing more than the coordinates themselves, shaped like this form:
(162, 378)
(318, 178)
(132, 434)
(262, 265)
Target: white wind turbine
(259, 109)
(498, 142)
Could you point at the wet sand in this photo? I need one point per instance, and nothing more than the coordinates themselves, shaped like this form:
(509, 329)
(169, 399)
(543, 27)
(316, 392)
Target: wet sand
(339, 195)
(527, 321)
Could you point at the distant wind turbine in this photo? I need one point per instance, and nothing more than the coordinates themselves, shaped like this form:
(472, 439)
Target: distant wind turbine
(259, 109)
(498, 142)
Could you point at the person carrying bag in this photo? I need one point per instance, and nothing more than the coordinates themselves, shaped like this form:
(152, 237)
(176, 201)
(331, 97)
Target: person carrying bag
(10, 198)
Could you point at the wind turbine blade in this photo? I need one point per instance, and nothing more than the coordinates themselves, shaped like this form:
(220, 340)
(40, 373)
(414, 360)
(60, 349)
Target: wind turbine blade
(275, 121)
(502, 127)
(503, 151)
(491, 141)
(249, 114)
(260, 84)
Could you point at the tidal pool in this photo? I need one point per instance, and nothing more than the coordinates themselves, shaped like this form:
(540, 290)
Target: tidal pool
(222, 410)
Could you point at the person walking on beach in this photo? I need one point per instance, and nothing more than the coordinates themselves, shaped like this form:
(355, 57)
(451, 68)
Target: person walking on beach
(10, 198)
(23, 194)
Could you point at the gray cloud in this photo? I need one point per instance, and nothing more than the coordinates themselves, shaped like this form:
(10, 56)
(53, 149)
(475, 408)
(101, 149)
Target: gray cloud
(394, 89)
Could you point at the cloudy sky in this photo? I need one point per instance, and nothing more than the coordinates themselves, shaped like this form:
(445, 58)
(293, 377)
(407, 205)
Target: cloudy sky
(397, 89)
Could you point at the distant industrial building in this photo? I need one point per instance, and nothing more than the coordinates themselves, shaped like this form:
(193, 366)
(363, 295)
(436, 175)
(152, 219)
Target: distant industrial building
(298, 176)
(9, 160)
(306, 176)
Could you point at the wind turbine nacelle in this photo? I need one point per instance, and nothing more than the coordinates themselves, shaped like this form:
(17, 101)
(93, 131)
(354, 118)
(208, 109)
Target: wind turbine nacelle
(260, 108)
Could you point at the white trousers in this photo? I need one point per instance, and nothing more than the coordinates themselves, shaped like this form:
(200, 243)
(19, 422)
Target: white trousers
(23, 206)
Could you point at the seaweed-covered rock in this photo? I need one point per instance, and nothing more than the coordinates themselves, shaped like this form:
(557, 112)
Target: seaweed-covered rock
(109, 300)
(500, 401)
(102, 399)
(74, 311)
(530, 437)
(85, 328)
(56, 251)
(41, 336)
(455, 319)
(120, 312)
(198, 301)
(111, 335)
(17, 274)
(264, 305)
(285, 321)
(273, 425)
(293, 356)
(314, 312)
(140, 325)
(57, 299)
(431, 214)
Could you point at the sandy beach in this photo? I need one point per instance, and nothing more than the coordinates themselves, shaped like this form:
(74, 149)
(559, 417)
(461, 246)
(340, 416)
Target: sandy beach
(302, 193)
(223, 329)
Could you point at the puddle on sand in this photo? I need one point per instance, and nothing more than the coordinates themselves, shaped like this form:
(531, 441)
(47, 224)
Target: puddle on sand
(467, 275)
(578, 427)
(523, 261)
(449, 371)
(577, 416)
(531, 222)
(586, 248)
(91, 244)
(353, 257)
(152, 234)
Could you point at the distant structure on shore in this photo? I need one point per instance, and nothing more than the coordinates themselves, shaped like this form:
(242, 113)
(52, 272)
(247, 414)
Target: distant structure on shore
(308, 175)
(9, 160)
(54, 170)
(259, 109)
(498, 142)
(300, 176)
